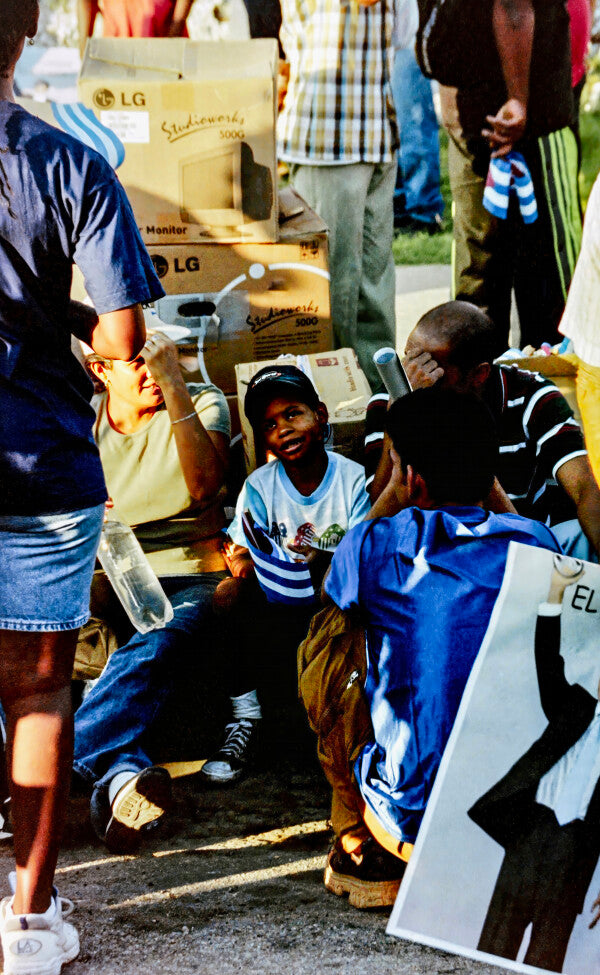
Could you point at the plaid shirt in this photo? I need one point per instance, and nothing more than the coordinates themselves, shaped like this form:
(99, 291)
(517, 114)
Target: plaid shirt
(338, 107)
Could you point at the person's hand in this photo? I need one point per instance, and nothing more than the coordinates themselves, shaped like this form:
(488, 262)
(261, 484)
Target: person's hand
(421, 369)
(160, 355)
(596, 909)
(228, 593)
(565, 572)
(506, 128)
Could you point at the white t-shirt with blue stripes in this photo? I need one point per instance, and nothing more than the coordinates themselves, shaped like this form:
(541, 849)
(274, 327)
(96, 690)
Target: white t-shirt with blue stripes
(295, 521)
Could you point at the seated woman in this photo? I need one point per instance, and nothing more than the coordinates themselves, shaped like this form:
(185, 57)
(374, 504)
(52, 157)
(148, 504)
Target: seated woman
(164, 447)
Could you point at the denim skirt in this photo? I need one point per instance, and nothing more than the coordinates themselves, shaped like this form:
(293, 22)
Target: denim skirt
(46, 567)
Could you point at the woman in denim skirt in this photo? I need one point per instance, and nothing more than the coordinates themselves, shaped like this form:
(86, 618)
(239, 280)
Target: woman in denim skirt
(60, 204)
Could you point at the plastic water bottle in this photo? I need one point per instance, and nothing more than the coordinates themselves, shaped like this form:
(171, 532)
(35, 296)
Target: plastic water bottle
(132, 578)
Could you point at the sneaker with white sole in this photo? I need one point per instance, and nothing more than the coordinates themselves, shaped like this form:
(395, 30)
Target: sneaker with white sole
(231, 762)
(137, 805)
(34, 946)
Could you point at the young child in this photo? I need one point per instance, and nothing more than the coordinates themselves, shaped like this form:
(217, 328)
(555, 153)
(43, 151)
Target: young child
(304, 500)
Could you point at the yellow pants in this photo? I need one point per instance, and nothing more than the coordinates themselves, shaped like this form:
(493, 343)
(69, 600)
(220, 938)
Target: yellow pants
(588, 400)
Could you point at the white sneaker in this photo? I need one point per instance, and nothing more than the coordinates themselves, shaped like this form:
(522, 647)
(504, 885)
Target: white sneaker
(34, 946)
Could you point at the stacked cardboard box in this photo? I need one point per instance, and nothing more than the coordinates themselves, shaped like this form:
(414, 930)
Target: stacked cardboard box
(245, 271)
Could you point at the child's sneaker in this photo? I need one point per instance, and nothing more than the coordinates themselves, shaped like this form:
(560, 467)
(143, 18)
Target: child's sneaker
(32, 945)
(371, 876)
(235, 754)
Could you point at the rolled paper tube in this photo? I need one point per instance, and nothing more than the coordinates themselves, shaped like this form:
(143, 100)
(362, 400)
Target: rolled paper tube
(392, 374)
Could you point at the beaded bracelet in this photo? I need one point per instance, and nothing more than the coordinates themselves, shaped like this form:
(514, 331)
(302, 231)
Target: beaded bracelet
(183, 418)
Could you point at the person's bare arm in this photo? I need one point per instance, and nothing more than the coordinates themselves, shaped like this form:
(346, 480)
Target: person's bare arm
(203, 454)
(384, 471)
(421, 371)
(513, 25)
(577, 479)
(180, 16)
(498, 500)
(115, 335)
(87, 11)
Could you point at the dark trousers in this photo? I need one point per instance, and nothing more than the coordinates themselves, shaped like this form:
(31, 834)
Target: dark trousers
(493, 256)
(542, 881)
(264, 18)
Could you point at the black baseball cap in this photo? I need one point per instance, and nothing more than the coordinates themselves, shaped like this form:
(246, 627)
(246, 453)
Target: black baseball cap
(273, 381)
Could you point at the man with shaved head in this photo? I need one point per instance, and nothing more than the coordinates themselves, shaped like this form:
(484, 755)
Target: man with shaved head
(543, 468)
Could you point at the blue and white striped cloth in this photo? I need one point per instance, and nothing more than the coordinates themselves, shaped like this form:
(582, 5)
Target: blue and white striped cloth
(80, 122)
(281, 578)
(510, 175)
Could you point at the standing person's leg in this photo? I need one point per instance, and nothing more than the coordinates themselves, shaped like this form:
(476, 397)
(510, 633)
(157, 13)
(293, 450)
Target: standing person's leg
(482, 248)
(45, 578)
(549, 246)
(339, 194)
(417, 193)
(481, 255)
(377, 295)
(360, 251)
(35, 678)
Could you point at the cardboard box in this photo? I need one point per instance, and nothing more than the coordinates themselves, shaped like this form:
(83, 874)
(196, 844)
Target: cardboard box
(246, 302)
(196, 120)
(341, 385)
(561, 369)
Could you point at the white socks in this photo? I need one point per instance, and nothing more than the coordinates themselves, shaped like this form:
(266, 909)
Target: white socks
(47, 916)
(246, 706)
(117, 782)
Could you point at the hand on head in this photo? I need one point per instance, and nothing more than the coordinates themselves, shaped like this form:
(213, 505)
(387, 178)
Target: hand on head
(421, 368)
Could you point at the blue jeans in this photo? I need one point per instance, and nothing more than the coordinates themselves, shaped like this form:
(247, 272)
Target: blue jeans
(113, 720)
(417, 192)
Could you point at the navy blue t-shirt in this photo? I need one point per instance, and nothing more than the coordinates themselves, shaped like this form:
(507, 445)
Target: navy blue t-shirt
(426, 583)
(60, 203)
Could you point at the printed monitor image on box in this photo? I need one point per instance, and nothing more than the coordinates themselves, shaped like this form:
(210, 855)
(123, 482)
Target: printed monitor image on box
(223, 189)
(197, 123)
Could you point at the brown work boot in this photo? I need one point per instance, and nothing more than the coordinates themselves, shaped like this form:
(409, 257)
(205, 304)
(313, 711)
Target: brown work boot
(370, 876)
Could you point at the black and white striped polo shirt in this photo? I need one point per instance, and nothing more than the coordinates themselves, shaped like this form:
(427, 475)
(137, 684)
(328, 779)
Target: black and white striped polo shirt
(537, 431)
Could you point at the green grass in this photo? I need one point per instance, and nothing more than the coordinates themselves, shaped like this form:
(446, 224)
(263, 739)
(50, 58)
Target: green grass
(420, 248)
(590, 153)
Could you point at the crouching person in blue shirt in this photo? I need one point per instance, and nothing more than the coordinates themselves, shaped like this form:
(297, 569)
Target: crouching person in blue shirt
(423, 584)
